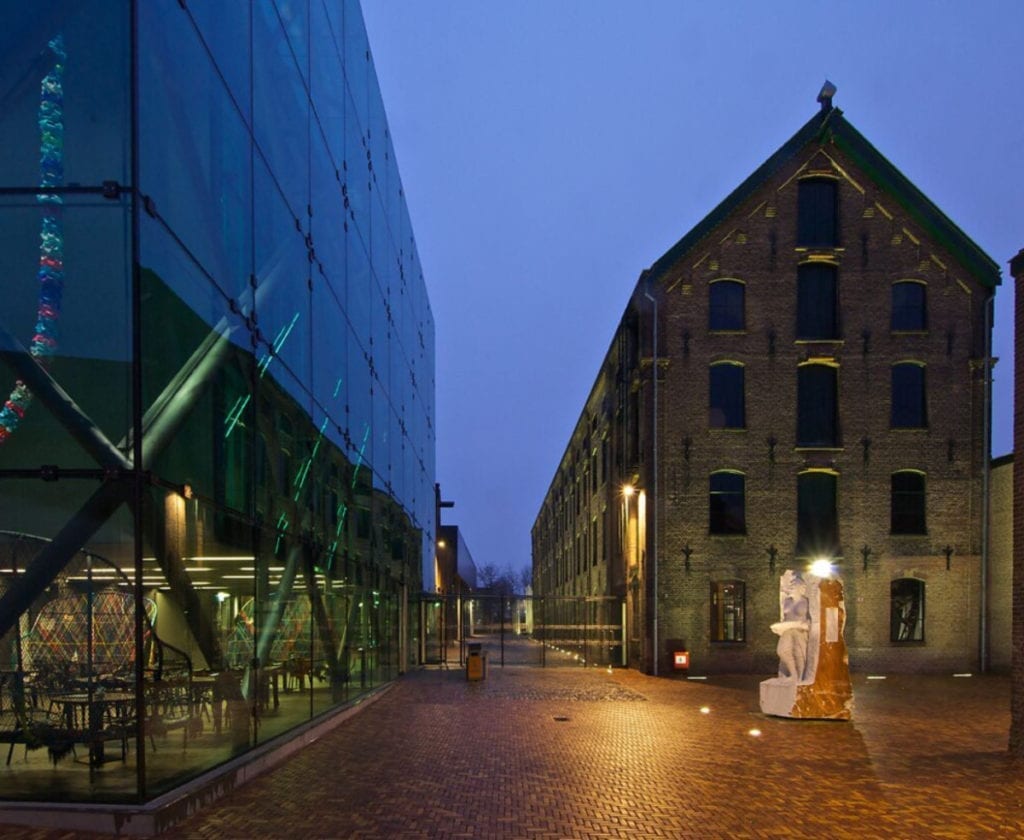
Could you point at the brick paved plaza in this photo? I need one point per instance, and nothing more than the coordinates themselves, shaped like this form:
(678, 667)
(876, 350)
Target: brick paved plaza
(570, 752)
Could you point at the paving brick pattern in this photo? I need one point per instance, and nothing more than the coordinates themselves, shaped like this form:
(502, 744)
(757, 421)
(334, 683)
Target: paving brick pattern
(578, 753)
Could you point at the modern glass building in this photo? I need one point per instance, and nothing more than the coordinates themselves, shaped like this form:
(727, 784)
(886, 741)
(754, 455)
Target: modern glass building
(217, 418)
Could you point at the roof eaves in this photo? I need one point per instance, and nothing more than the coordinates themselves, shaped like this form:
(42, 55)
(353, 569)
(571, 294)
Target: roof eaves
(915, 202)
(814, 127)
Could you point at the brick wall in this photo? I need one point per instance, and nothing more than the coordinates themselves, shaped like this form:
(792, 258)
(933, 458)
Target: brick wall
(879, 243)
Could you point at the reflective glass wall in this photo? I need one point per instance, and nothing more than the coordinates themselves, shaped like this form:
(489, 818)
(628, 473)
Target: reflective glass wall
(217, 441)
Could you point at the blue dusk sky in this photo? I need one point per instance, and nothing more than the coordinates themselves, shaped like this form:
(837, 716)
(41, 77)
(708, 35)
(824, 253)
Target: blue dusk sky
(551, 150)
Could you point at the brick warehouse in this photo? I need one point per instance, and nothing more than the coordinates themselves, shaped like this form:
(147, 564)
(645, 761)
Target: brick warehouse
(822, 348)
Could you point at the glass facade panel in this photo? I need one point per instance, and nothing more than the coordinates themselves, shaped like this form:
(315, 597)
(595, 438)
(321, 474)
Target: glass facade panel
(258, 330)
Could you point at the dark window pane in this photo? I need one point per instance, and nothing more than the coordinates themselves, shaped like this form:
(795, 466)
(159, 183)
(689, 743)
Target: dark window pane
(726, 305)
(726, 504)
(816, 213)
(817, 419)
(817, 526)
(908, 397)
(728, 623)
(906, 610)
(908, 503)
(816, 317)
(908, 306)
(726, 397)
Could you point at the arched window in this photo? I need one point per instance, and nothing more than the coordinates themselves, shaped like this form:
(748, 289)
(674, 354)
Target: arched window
(817, 213)
(906, 610)
(725, 396)
(817, 317)
(817, 523)
(909, 398)
(728, 611)
(817, 405)
(909, 309)
(907, 503)
(727, 503)
(725, 305)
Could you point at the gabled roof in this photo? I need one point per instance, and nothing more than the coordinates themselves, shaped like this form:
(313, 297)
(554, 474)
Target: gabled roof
(829, 124)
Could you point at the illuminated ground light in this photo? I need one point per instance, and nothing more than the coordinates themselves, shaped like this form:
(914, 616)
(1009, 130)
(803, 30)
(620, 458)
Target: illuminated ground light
(754, 733)
(821, 568)
(705, 710)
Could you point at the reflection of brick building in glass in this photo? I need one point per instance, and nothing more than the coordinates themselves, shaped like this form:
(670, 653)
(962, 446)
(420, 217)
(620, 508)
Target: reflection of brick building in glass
(802, 376)
(456, 579)
(228, 447)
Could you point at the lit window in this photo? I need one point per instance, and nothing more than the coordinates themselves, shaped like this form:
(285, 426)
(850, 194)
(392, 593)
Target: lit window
(909, 403)
(817, 525)
(817, 214)
(727, 503)
(909, 309)
(727, 611)
(906, 610)
(817, 415)
(726, 403)
(908, 503)
(725, 305)
(816, 315)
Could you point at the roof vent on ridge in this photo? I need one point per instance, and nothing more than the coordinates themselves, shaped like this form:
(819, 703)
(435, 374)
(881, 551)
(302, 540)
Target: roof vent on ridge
(828, 90)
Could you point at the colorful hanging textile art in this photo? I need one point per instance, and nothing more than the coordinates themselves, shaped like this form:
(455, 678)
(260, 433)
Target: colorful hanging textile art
(51, 235)
(60, 636)
(292, 636)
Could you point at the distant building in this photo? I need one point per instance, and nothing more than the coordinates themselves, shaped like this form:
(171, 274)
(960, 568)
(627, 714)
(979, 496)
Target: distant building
(803, 376)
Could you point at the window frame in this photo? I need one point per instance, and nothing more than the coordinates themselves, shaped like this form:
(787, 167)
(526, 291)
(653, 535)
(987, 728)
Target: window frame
(902, 314)
(722, 315)
(723, 396)
(908, 399)
(898, 624)
(908, 505)
(817, 281)
(813, 429)
(728, 519)
(813, 539)
(817, 215)
(722, 629)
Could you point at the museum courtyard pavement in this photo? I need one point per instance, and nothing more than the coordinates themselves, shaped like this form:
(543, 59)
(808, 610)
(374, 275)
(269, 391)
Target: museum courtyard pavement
(575, 752)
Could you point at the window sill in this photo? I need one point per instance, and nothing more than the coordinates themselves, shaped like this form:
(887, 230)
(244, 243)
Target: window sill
(720, 535)
(908, 429)
(713, 331)
(732, 429)
(806, 447)
(910, 332)
(837, 341)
